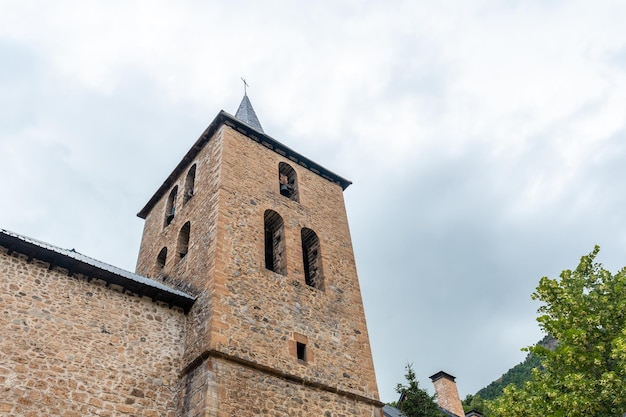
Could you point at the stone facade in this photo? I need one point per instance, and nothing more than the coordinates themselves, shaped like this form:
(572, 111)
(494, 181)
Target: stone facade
(258, 235)
(71, 348)
(234, 389)
(247, 314)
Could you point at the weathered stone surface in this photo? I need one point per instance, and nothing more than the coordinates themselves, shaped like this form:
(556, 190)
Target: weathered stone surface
(75, 348)
(242, 391)
(255, 343)
(245, 310)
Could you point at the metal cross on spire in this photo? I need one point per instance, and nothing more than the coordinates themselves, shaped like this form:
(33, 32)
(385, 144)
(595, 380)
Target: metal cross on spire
(245, 86)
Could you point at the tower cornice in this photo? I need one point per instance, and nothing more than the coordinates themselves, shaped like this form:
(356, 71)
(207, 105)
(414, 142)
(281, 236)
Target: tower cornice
(224, 118)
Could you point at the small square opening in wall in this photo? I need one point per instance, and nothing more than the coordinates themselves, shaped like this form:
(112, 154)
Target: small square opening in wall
(301, 351)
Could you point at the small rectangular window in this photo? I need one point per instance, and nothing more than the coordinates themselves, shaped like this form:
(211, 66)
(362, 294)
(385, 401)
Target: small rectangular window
(301, 351)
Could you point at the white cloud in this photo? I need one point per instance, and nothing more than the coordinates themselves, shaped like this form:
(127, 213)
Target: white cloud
(484, 139)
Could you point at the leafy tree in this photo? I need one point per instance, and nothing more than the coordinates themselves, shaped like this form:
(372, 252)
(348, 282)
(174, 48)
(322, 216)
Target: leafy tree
(476, 403)
(415, 401)
(585, 374)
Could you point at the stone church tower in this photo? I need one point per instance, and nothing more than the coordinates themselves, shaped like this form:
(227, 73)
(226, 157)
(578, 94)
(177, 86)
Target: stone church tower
(259, 235)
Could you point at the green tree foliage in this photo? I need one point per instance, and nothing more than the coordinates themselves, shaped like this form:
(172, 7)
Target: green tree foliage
(415, 401)
(585, 374)
(476, 403)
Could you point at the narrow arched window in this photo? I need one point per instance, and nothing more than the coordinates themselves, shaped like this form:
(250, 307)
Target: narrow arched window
(312, 259)
(170, 206)
(190, 183)
(275, 259)
(288, 182)
(161, 258)
(183, 240)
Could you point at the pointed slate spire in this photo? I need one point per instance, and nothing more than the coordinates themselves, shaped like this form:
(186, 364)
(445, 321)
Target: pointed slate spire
(246, 114)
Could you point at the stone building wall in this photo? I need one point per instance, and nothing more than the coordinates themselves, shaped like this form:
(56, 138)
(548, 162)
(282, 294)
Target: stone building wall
(194, 272)
(255, 341)
(248, 315)
(71, 348)
(259, 315)
(235, 390)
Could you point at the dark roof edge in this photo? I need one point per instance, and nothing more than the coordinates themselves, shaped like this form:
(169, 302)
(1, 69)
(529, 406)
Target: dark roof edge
(442, 374)
(77, 263)
(260, 137)
(391, 411)
(448, 412)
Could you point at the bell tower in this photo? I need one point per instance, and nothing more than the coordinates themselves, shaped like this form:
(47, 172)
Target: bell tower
(259, 234)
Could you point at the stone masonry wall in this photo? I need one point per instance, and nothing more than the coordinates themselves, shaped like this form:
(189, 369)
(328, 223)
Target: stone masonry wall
(193, 396)
(194, 272)
(235, 390)
(259, 315)
(248, 312)
(74, 348)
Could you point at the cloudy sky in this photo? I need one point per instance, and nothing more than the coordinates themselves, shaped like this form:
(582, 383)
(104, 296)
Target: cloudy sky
(486, 141)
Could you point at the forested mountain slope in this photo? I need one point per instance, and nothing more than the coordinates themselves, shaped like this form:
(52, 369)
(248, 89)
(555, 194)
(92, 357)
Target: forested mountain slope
(517, 375)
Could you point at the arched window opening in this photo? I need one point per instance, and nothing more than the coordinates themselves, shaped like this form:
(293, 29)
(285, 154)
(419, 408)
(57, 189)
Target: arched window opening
(312, 259)
(161, 258)
(190, 184)
(288, 182)
(170, 207)
(183, 240)
(275, 259)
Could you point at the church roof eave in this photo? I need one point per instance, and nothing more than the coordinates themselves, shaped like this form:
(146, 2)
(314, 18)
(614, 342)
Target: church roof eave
(77, 263)
(224, 118)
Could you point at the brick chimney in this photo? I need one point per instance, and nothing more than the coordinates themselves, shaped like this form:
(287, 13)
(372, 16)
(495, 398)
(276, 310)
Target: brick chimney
(447, 393)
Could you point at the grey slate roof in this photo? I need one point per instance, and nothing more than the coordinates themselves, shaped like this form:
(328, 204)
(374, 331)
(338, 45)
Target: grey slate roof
(390, 411)
(246, 114)
(442, 374)
(448, 413)
(76, 262)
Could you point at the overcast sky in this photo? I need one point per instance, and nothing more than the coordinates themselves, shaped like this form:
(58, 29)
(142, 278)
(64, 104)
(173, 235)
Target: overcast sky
(485, 140)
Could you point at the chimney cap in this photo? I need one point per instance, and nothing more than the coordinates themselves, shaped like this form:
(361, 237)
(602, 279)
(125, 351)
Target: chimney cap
(442, 374)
